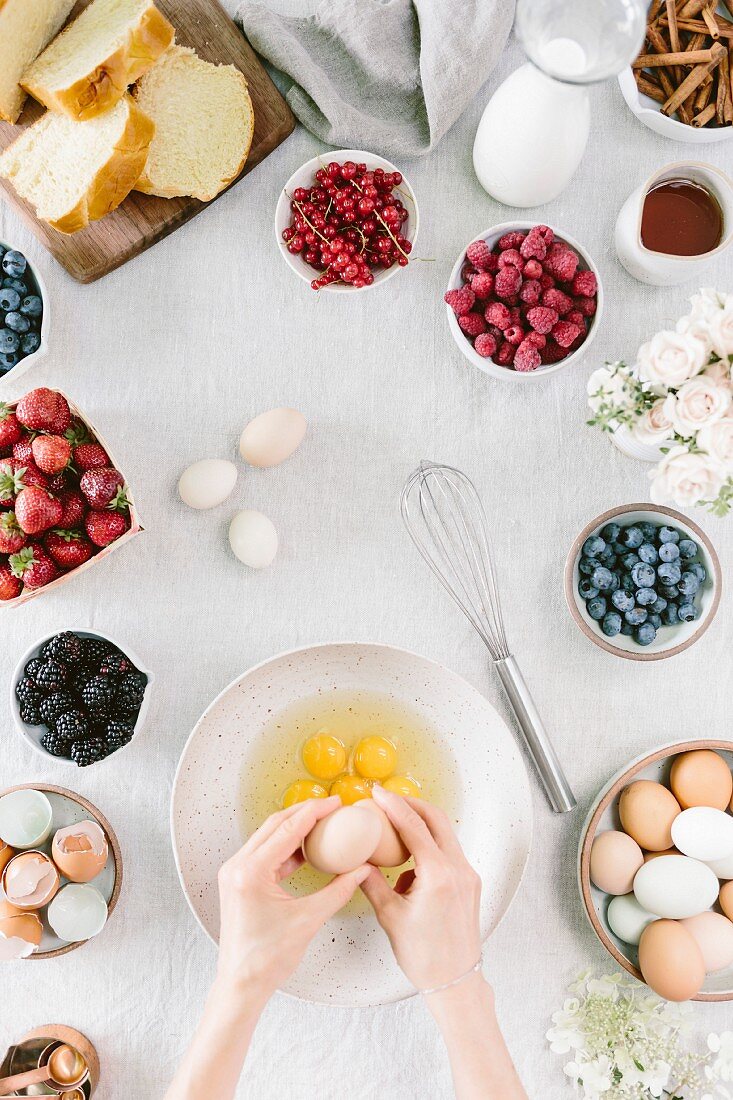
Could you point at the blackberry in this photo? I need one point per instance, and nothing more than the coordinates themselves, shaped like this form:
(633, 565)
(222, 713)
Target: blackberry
(130, 691)
(117, 734)
(65, 647)
(51, 676)
(94, 650)
(72, 726)
(33, 667)
(54, 705)
(30, 713)
(115, 665)
(57, 745)
(97, 694)
(26, 689)
(89, 751)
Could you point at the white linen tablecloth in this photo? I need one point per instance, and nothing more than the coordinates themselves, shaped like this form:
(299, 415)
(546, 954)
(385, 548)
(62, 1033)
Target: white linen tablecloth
(170, 356)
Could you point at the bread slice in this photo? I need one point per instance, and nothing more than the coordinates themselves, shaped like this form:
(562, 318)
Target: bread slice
(88, 68)
(76, 172)
(203, 125)
(26, 26)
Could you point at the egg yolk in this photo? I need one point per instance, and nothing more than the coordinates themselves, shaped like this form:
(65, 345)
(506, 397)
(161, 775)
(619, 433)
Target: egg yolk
(324, 756)
(301, 790)
(404, 785)
(351, 788)
(375, 757)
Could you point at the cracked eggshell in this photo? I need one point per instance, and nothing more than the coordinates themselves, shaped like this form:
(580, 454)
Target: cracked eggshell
(272, 437)
(20, 932)
(390, 850)
(30, 880)
(253, 539)
(80, 851)
(6, 854)
(343, 841)
(77, 913)
(207, 483)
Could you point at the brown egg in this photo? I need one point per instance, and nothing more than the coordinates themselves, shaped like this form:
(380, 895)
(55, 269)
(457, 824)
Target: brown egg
(391, 850)
(656, 855)
(701, 778)
(725, 899)
(80, 851)
(342, 841)
(647, 811)
(6, 854)
(671, 961)
(614, 860)
(18, 931)
(30, 880)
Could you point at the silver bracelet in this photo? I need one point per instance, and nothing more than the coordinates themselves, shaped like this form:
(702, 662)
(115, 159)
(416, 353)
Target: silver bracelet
(449, 985)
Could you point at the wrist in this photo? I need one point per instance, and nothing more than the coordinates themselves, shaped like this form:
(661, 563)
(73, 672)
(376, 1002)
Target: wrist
(472, 996)
(240, 994)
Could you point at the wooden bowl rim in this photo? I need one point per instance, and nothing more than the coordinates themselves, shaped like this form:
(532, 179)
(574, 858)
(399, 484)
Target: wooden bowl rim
(605, 643)
(51, 788)
(588, 837)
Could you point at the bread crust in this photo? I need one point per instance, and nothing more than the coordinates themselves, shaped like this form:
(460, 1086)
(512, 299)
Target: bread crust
(14, 113)
(108, 82)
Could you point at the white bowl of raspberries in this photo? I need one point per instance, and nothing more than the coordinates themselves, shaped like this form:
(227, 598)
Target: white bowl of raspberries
(524, 301)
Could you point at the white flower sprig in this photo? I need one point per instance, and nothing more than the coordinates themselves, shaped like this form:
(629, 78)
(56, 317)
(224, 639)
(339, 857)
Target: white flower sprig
(627, 1044)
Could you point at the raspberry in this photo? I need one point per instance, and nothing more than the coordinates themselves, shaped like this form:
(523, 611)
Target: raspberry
(511, 258)
(515, 316)
(530, 292)
(467, 272)
(472, 324)
(535, 339)
(552, 352)
(482, 284)
(527, 357)
(532, 269)
(561, 263)
(586, 306)
(479, 254)
(514, 334)
(505, 355)
(557, 300)
(510, 240)
(498, 314)
(507, 282)
(533, 246)
(546, 281)
(585, 284)
(565, 334)
(546, 233)
(541, 318)
(461, 300)
(575, 317)
(486, 344)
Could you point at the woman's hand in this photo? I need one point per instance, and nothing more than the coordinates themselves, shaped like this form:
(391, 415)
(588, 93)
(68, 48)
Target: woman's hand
(265, 930)
(432, 914)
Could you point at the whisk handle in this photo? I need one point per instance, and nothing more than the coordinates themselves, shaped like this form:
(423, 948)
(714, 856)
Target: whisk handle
(553, 778)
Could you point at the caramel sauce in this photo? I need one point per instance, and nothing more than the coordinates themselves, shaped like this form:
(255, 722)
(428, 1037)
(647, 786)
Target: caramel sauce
(681, 218)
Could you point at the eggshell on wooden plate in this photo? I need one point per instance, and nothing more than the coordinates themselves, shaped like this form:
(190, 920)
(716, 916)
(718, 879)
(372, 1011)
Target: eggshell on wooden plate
(647, 810)
(20, 932)
(272, 437)
(80, 851)
(614, 860)
(670, 960)
(701, 777)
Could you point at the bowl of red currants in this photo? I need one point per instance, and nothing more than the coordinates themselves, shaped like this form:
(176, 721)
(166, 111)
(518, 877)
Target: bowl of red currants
(346, 221)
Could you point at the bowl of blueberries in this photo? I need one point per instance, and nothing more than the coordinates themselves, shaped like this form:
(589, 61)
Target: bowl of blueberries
(643, 582)
(24, 313)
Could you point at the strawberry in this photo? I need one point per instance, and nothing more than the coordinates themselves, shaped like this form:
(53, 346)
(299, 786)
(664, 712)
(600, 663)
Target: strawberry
(68, 548)
(10, 429)
(11, 481)
(51, 453)
(44, 410)
(12, 539)
(23, 450)
(103, 487)
(104, 527)
(36, 510)
(33, 566)
(29, 474)
(74, 507)
(10, 586)
(90, 456)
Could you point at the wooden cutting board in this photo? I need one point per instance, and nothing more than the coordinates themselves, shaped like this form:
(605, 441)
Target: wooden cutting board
(142, 220)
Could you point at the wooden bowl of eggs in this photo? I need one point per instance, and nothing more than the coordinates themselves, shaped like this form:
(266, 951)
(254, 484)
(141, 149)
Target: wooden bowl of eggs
(655, 869)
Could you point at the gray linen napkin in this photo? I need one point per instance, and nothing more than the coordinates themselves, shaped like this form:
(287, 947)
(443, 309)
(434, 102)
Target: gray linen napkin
(384, 75)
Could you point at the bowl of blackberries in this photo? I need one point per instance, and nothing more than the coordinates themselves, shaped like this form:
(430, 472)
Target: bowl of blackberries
(643, 582)
(79, 697)
(24, 313)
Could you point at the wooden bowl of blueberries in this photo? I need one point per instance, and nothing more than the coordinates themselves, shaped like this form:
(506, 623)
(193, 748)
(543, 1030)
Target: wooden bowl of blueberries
(643, 582)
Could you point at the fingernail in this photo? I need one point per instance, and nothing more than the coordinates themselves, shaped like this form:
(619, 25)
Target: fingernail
(378, 792)
(362, 874)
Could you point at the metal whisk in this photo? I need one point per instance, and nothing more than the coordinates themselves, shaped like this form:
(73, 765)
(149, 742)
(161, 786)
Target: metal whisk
(446, 520)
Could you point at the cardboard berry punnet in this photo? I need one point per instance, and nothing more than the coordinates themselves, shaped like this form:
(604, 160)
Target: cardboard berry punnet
(135, 526)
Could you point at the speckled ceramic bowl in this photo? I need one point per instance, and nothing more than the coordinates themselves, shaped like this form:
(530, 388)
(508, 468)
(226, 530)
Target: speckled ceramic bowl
(350, 962)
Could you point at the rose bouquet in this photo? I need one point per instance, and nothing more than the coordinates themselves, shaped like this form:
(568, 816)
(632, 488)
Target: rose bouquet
(678, 400)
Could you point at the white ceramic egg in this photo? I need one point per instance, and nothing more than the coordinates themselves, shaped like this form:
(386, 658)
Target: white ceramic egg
(675, 887)
(627, 918)
(253, 539)
(207, 483)
(703, 833)
(77, 913)
(272, 437)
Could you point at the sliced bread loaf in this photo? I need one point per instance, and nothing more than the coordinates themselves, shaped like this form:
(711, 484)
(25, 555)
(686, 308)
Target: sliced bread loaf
(88, 68)
(76, 172)
(203, 125)
(26, 26)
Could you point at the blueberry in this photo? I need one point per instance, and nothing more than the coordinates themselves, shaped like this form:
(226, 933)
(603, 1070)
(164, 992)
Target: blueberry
(645, 634)
(659, 605)
(8, 360)
(668, 534)
(611, 625)
(586, 588)
(627, 583)
(649, 530)
(619, 549)
(643, 575)
(597, 607)
(611, 532)
(669, 591)
(32, 306)
(669, 572)
(699, 570)
(648, 553)
(621, 600)
(593, 547)
(646, 596)
(17, 322)
(603, 579)
(627, 629)
(688, 549)
(9, 341)
(30, 342)
(670, 615)
(14, 263)
(630, 560)
(655, 620)
(588, 566)
(669, 551)
(607, 556)
(687, 612)
(9, 298)
(688, 584)
(16, 284)
(636, 616)
(631, 537)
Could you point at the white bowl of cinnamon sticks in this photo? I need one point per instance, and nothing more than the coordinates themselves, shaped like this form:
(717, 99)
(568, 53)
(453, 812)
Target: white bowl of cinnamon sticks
(681, 85)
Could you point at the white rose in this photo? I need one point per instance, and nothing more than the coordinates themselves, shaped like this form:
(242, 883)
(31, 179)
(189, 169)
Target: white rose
(720, 329)
(717, 441)
(671, 358)
(696, 404)
(654, 427)
(719, 372)
(705, 304)
(686, 479)
(610, 386)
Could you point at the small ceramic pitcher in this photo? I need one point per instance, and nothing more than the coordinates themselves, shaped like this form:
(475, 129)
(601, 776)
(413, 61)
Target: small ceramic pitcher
(659, 268)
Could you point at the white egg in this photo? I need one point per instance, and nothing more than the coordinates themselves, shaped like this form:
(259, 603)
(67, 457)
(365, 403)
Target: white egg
(675, 887)
(207, 483)
(723, 868)
(627, 918)
(253, 539)
(25, 818)
(272, 437)
(77, 913)
(703, 833)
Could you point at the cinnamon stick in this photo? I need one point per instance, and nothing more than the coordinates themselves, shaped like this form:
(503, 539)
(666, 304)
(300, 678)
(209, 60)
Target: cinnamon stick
(724, 104)
(694, 79)
(704, 94)
(691, 9)
(708, 15)
(659, 44)
(680, 57)
(653, 10)
(725, 27)
(704, 116)
(648, 87)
